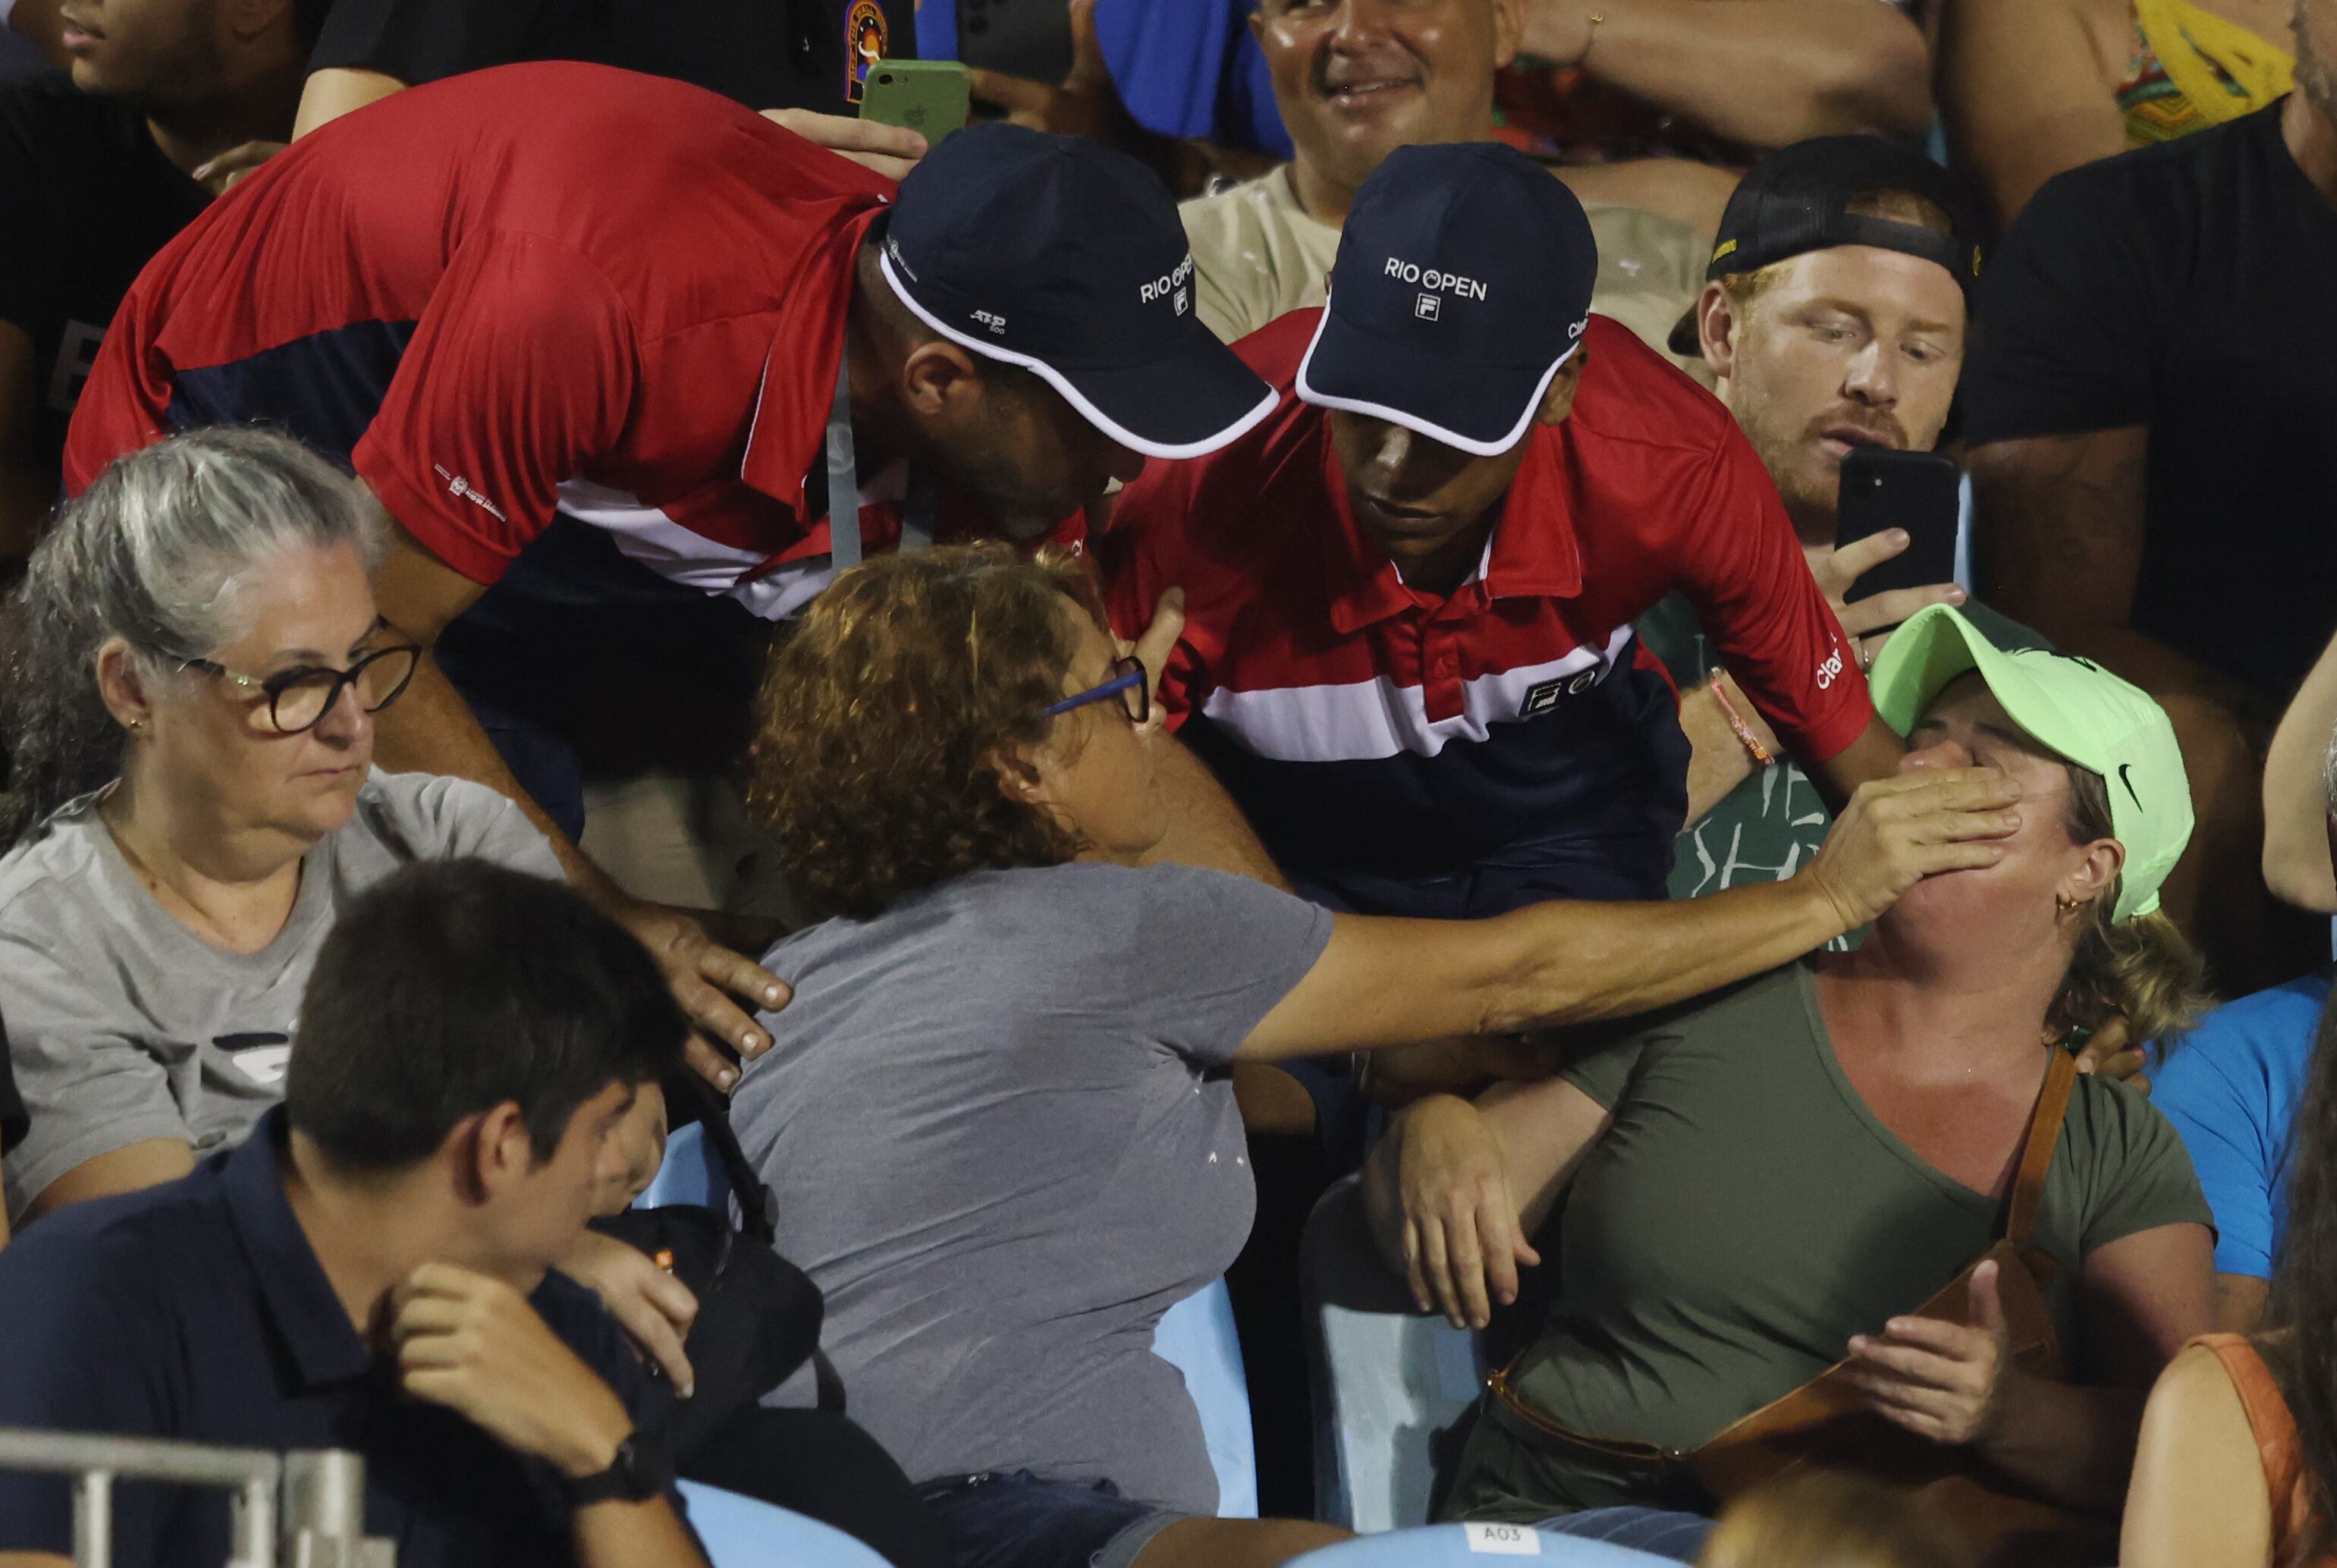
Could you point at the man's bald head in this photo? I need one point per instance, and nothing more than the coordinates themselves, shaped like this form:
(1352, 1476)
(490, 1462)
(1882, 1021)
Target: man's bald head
(1356, 78)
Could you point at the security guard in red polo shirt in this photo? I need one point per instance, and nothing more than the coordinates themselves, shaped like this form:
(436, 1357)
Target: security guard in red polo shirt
(1408, 650)
(604, 346)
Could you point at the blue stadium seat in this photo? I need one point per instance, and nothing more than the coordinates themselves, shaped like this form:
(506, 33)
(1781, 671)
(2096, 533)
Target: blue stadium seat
(690, 1174)
(1472, 1546)
(1387, 1380)
(1197, 1337)
(741, 1533)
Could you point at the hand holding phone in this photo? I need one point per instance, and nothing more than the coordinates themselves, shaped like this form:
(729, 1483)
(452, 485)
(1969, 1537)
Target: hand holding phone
(931, 97)
(1894, 544)
(1919, 491)
(889, 150)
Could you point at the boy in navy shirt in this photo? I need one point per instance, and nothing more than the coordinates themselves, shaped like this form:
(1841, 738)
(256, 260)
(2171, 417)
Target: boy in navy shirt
(371, 1270)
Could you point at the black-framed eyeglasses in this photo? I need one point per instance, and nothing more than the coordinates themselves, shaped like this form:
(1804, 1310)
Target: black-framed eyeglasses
(299, 700)
(1130, 684)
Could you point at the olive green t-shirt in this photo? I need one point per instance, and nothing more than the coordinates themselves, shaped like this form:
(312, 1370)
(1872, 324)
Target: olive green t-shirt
(1768, 826)
(1747, 1213)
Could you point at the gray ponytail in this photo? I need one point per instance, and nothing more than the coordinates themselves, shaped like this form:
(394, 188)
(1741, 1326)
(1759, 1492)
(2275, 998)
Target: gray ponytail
(156, 552)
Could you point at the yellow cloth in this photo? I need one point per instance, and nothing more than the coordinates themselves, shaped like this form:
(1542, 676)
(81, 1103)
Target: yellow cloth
(2194, 69)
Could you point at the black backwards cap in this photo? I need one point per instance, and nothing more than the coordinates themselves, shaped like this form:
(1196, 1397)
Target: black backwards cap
(1463, 283)
(1798, 200)
(1069, 260)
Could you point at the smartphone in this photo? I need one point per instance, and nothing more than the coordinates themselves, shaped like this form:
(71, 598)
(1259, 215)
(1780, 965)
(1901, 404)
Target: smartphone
(930, 97)
(1027, 38)
(1918, 490)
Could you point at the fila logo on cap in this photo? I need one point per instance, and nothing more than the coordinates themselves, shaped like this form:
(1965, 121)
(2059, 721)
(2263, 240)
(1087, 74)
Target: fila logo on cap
(1426, 307)
(1168, 283)
(1452, 283)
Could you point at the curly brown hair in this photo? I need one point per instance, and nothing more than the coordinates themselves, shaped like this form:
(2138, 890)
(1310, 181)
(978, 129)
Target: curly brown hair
(883, 719)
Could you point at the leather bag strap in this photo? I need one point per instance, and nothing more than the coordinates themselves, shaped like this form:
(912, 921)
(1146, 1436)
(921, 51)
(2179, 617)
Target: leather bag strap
(2028, 1194)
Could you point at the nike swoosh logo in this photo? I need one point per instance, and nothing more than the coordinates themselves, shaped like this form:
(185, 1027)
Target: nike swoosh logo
(2124, 767)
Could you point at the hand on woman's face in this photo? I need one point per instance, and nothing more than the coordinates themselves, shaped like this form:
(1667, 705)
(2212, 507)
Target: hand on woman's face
(1966, 727)
(211, 738)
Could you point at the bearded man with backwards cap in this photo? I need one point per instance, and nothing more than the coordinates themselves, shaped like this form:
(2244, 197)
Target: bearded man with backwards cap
(603, 346)
(1409, 594)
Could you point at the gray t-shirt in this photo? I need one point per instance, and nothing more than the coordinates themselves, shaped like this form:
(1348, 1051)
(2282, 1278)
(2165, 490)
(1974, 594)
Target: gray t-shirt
(1002, 1146)
(124, 1026)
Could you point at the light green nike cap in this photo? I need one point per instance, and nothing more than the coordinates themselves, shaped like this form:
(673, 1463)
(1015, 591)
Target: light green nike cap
(2069, 706)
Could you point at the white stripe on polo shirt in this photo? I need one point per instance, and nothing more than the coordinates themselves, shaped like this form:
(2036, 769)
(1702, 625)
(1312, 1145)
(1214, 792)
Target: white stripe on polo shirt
(1361, 720)
(652, 536)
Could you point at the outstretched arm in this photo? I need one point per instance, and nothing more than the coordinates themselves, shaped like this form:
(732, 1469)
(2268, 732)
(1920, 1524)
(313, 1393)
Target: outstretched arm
(1385, 982)
(432, 729)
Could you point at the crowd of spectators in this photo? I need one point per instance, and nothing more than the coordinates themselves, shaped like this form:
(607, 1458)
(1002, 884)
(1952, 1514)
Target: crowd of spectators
(1278, 606)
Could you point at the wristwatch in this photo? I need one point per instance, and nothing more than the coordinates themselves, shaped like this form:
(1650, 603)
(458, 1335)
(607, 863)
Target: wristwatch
(640, 1471)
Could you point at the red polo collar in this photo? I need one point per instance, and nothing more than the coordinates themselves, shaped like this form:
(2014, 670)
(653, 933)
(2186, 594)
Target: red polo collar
(787, 433)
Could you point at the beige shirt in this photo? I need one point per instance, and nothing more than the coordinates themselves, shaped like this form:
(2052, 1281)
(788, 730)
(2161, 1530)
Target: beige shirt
(1257, 254)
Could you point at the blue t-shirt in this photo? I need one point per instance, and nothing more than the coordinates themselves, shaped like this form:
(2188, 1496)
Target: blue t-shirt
(196, 1311)
(1193, 68)
(1183, 67)
(2232, 1087)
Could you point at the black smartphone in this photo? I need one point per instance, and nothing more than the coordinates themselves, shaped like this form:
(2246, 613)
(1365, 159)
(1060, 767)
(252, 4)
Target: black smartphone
(1917, 491)
(1027, 38)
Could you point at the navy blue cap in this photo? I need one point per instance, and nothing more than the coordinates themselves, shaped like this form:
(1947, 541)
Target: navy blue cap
(1463, 283)
(1068, 258)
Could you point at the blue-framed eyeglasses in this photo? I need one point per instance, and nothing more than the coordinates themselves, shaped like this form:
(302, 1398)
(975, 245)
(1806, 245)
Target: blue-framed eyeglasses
(1130, 684)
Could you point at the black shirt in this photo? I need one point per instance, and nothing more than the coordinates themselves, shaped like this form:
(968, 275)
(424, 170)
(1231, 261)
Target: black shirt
(198, 1310)
(763, 54)
(2183, 288)
(88, 198)
(13, 1122)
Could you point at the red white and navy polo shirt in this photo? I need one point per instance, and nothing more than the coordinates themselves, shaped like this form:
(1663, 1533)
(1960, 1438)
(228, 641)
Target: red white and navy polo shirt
(543, 286)
(1514, 741)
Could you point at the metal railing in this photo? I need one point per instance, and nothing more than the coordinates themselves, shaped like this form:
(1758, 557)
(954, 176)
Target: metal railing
(305, 1509)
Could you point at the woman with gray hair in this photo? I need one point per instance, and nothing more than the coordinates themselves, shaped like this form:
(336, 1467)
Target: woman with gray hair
(191, 799)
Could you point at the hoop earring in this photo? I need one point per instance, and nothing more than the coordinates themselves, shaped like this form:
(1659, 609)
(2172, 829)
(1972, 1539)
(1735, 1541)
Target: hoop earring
(2063, 903)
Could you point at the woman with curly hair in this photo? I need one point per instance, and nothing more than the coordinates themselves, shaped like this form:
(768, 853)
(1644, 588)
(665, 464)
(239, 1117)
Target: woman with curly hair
(996, 1115)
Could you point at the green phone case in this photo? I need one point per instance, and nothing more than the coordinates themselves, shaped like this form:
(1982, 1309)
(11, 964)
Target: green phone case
(928, 96)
